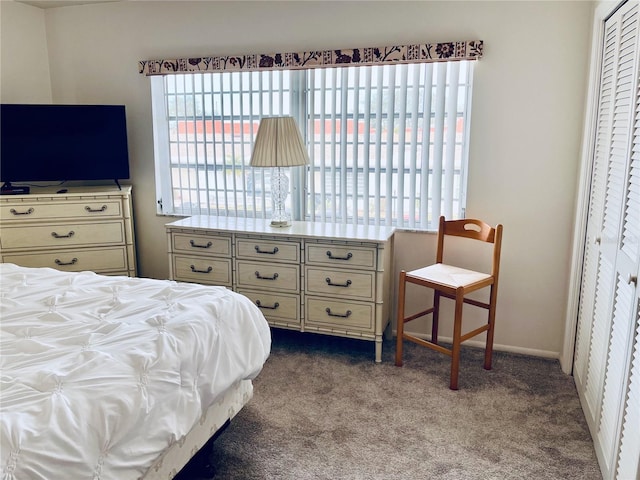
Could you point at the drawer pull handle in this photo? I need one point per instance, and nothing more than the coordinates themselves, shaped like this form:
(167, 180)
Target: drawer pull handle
(72, 262)
(275, 305)
(15, 212)
(275, 275)
(341, 315)
(272, 252)
(95, 210)
(194, 244)
(195, 270)
(68, 235)
(330, 255)
(329, 282)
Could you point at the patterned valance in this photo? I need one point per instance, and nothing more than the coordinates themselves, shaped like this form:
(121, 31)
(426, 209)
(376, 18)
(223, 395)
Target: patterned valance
(418, 53)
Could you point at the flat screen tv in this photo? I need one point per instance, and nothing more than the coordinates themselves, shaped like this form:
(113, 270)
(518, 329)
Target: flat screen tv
(58, 143)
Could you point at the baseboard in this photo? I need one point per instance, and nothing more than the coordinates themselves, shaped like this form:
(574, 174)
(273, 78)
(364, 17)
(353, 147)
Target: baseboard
(532, 352)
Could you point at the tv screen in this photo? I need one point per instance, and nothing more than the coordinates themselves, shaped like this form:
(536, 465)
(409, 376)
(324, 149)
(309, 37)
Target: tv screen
(57, 143)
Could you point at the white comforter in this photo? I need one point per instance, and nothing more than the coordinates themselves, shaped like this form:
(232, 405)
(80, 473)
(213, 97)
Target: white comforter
(101, 374)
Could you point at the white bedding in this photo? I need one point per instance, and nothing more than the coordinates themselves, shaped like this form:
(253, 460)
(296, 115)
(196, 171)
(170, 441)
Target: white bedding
(101, 374)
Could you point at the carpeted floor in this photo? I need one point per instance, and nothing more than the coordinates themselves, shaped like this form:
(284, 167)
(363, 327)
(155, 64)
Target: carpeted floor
(322, 409)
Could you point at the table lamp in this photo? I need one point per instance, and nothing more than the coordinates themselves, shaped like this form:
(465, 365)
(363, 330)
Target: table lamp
(279, 144)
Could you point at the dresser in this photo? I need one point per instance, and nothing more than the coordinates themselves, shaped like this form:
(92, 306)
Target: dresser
(312, 277)
(84, 228)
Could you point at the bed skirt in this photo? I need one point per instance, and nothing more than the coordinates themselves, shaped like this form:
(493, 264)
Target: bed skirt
(178, 455)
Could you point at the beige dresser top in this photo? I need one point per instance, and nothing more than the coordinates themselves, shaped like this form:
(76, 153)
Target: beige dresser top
(297, 229)
(51, 193)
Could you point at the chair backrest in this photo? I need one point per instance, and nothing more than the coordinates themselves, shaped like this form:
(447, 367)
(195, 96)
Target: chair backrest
(475, 230)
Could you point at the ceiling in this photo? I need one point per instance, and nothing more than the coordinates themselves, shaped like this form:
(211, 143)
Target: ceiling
(61, 3)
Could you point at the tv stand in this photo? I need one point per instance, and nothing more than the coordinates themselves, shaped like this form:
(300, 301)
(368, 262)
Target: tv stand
(8, 189)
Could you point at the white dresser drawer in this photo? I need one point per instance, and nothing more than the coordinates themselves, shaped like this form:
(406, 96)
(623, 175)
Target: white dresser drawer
(334, 314)
(268, 250)
(201, 244)
(212, 271)
(339, 256)
(63, 235)
(275, 306)
(359, 285)
(61, 210)
(270, 276)
(94, 259)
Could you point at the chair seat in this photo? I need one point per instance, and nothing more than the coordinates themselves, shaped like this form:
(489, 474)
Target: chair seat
(448, 275)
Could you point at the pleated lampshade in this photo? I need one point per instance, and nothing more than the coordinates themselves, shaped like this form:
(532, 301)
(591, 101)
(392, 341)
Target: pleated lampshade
(278, 144)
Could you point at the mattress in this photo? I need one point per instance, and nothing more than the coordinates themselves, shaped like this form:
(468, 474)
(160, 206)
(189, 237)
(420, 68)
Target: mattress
(101, 375)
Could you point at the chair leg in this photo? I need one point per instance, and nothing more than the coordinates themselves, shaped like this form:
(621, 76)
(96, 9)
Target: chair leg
(488, 352)
(457, 333)
(435, 317)
(400, 322)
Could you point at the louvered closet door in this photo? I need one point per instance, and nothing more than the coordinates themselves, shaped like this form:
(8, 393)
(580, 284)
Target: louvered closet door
(629, 453)
(595, 290)
(609, 295)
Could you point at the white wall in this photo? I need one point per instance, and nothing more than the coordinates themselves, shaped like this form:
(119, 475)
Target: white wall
(528, 104)
(24, 60)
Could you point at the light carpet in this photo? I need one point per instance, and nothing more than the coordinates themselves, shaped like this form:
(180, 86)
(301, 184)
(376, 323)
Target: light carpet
(322, 409)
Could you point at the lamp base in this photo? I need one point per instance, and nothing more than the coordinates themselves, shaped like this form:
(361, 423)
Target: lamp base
(279, 191)
(280, 223)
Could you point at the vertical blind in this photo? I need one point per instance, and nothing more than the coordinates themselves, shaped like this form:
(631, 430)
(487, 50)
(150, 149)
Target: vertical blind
(387, 143)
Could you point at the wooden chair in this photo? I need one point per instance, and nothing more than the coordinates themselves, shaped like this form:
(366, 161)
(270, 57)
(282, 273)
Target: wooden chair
(454, 283)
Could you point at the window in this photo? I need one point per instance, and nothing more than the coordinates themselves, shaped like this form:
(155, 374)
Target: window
(387, 143)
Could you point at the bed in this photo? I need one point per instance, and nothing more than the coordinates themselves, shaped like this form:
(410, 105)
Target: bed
(117, 377)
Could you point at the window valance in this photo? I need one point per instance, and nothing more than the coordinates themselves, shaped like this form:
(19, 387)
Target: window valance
(416, 53)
